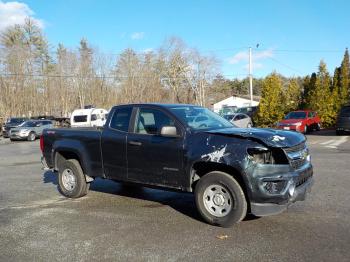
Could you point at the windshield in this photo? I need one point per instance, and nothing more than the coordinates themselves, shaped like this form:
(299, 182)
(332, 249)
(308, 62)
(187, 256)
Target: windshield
(199, 118)
(227, 111)
(28, 124)
(296, 115)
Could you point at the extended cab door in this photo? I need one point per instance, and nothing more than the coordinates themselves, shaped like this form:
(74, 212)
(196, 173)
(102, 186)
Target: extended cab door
(152, 158)
(113, 143)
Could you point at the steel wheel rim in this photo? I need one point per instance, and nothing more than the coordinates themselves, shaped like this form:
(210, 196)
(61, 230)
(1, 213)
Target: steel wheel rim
(68, 179)
(217, 200)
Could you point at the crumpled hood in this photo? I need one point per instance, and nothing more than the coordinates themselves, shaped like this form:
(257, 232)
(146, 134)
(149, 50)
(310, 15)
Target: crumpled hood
(270, 137)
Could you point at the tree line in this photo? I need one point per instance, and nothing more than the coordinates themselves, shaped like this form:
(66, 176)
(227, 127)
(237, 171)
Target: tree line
(34, 80)
(319, 91)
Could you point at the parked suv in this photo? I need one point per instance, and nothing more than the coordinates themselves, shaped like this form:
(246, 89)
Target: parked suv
(11, 123)
(30, 130)
(302, 121)
(343, 121)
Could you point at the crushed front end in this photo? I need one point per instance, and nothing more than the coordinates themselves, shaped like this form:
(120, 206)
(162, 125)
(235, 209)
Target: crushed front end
(278, 177)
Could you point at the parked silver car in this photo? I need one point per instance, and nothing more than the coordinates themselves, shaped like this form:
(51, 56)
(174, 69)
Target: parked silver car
(239, 120)
(30, 130)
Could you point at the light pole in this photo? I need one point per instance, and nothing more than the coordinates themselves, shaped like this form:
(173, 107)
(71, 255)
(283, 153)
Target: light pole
(250, 77)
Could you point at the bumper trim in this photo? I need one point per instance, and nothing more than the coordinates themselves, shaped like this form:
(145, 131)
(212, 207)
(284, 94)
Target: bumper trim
(266, 209)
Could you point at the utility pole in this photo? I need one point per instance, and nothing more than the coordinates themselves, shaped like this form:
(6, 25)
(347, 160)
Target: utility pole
(250, 77)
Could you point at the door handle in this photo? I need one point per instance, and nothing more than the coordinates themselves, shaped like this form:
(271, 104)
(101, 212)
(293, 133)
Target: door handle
(135, 143)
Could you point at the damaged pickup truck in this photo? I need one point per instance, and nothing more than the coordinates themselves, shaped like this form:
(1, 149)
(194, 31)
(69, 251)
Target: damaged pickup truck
(231, 171)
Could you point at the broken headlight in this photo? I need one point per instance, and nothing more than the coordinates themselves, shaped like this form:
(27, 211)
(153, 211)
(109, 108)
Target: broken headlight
(261, 155)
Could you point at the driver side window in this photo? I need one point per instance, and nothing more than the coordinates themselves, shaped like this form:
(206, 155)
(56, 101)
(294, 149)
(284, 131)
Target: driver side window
(150, 121)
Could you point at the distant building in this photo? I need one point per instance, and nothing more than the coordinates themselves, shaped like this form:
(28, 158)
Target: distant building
(235, 101)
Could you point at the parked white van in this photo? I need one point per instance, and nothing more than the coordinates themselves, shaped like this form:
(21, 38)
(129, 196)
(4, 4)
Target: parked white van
(88, 117)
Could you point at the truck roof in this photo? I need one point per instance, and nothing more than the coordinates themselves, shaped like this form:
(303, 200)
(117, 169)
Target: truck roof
(156, 104)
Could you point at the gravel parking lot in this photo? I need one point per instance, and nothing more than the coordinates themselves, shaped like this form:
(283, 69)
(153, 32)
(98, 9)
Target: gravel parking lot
(123, 223)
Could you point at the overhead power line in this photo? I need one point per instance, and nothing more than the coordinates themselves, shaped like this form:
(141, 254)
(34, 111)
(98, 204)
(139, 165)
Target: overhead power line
(101, 76)
(285, 65)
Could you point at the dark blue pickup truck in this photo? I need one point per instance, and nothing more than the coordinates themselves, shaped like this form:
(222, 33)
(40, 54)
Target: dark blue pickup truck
(231, 171)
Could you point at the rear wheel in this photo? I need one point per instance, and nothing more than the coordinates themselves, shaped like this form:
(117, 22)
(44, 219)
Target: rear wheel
(220, 199)
(71, 179)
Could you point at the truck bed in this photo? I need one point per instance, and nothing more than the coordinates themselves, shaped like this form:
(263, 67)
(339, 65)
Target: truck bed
(86, 139)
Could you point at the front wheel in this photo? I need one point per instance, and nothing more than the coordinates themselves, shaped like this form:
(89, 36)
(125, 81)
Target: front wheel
(71, 179)
(318, 127)
(306, 129)
(220, 199)
(31, 136)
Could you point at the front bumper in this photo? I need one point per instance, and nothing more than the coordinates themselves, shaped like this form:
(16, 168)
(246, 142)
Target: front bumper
(18, 136)
(275, 187)
(343, 127)
(266, 209)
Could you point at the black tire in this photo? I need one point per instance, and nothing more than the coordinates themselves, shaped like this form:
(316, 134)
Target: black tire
(73, 168)
(318, 127)
(306, 129)
(31, 136)
(238, 209)
(339, 133)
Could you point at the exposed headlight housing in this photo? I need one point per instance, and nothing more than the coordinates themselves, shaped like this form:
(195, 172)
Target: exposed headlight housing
(260, 155)
(263, 155)
(298, 123)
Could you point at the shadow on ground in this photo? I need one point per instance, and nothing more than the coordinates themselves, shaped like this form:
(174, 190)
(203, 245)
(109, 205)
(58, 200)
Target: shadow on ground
(181, 202)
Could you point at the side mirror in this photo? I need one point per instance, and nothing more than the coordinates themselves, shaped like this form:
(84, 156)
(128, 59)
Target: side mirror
(169, 131)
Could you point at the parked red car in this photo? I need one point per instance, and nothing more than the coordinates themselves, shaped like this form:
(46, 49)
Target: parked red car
(302, 121)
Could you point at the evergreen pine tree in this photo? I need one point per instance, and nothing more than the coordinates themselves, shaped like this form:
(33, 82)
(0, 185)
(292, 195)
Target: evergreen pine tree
(322, 100)
(270, 107)
(292, 96)
(344, 82)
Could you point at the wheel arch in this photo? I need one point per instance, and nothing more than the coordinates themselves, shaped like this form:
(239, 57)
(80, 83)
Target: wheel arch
(199, 169)
(62, 155)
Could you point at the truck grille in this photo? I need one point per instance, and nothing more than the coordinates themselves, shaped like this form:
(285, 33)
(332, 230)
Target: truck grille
(297, 155)
(294, 149)
(297, 163)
